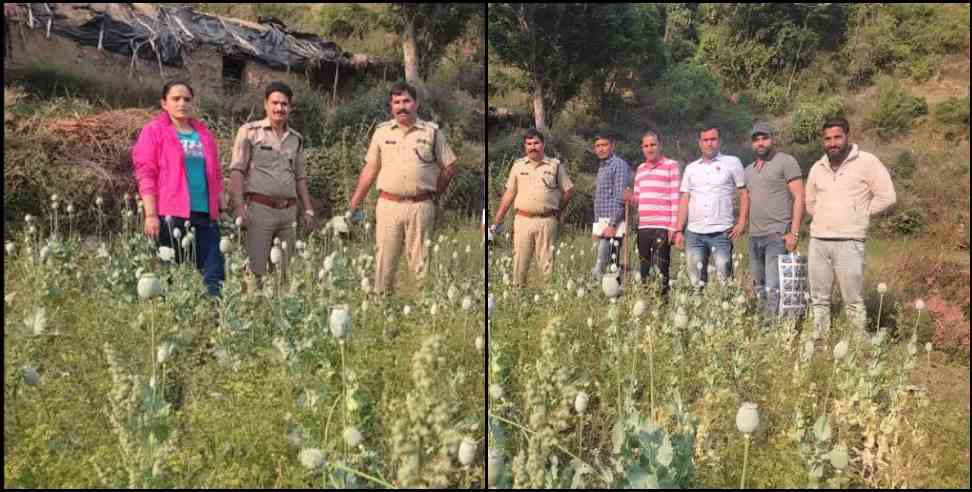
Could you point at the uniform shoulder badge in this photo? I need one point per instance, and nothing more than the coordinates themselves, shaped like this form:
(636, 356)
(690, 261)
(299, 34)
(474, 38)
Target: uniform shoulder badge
(384, 124)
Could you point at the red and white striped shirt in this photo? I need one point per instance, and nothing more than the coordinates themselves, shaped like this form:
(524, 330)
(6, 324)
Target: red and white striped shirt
(656, 192)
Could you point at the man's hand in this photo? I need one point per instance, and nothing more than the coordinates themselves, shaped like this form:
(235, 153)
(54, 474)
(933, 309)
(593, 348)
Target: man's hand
(308, 222)
(629, 197)
(671, 236)
(790, 241)
(608, 232)
(243, 212)
(679, 240)
(152, 227)
(737, 231)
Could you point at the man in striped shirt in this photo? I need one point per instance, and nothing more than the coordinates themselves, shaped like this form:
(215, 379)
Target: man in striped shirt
(656, 196)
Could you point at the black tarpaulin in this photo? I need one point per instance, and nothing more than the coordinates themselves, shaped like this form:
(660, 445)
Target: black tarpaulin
(169, 34)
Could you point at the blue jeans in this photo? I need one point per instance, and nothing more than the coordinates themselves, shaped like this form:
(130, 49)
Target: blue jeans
(764, 268)
(606, 248)
(209, 259)
(697, 249)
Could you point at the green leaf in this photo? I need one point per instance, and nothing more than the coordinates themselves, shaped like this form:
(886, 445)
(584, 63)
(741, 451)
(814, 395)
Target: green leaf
(640, 479)
(821, 429)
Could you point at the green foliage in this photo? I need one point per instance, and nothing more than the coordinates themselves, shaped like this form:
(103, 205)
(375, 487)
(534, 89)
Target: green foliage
(681, 36)
(685, 95)
(897, 110)
(906, 222)
(771, 97)
(436, 25)
(904, 166)
(904, 39)
(553, 44)
(745, 44)
(954, 115)
(346, 20)
(807, 118)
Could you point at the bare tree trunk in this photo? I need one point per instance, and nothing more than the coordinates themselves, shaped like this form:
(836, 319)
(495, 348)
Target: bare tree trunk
(539, 116)
(411, 55)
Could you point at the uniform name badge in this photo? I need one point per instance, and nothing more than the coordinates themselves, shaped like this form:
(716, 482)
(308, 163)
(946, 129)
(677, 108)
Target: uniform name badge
(602, 224)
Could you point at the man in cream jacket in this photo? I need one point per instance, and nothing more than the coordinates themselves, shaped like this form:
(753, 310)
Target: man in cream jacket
(845, 188)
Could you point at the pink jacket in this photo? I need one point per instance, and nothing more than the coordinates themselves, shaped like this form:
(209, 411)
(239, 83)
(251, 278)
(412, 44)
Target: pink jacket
(161, 171)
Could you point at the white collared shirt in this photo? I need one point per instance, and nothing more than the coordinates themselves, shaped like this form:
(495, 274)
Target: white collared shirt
(712, 185)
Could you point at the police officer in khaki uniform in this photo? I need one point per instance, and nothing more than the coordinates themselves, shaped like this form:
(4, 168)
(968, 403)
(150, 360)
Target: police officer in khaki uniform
(268, 164)
(541, 189)
(413, 164)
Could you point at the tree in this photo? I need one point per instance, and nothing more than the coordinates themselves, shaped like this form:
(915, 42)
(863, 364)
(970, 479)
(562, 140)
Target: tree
(560, 46)
(426, 29)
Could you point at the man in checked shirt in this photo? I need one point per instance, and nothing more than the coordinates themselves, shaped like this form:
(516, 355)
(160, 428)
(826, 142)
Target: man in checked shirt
(613, 178)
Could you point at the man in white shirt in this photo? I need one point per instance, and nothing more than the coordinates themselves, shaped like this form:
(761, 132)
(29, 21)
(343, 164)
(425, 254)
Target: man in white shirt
(705, 207)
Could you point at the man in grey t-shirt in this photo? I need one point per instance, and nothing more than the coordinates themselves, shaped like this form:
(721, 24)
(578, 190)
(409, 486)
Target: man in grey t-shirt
(776, 186)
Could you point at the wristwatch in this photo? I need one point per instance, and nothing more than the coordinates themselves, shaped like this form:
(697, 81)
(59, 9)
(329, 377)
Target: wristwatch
(309, 212)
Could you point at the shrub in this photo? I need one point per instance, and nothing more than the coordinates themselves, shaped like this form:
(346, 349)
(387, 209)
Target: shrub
(685, 95)
(896, 111)
(807, 118)
(906, 222)
(954, 115)
(770, 98)
(903, 38)
(904, 166)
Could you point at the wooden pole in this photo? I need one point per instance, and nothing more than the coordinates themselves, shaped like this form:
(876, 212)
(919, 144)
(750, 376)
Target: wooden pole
(337, 67)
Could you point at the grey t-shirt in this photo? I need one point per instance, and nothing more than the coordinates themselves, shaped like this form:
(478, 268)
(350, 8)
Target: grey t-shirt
(771, 205)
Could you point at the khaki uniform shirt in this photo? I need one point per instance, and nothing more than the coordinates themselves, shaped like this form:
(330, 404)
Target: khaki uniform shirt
(409, 161)
(272, 166)
(538, 188)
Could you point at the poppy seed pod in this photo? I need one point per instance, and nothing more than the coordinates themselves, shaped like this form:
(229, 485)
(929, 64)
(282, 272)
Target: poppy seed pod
(496, 391)
(340, 321)
(11, 247)
(882, 288)
(838, 457)
(225, 245)
(275, 255)
(611, 285)
(149, 286)
(490, 306)
(466, 303)
(99, 201)
(352, 436)
(187, 241)
(747, 418)
(467, 451)
(639, 309)
(840, 350)
(311, 458)
(31, 376)
(177, 233)
(480, 343)
(681, 319)
(163, 352)
(920, 305)
(239, 222)
(581, 401)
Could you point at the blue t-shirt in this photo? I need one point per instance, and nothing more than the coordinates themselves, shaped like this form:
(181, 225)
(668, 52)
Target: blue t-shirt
(195, 171)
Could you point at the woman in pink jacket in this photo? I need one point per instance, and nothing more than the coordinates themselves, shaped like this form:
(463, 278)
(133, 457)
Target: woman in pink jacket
(181, 183)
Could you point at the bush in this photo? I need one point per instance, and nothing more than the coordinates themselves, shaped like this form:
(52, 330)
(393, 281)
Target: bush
(954, 115)
(903, 38)
(807, 118)
(906, 222)
(896, 111)
(770, 98)
(685, 95)
(904, 166)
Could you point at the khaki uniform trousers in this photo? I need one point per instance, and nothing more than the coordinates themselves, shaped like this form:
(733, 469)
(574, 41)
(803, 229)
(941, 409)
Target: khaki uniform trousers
(263, 225)
(533, 236)
(399, 224)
